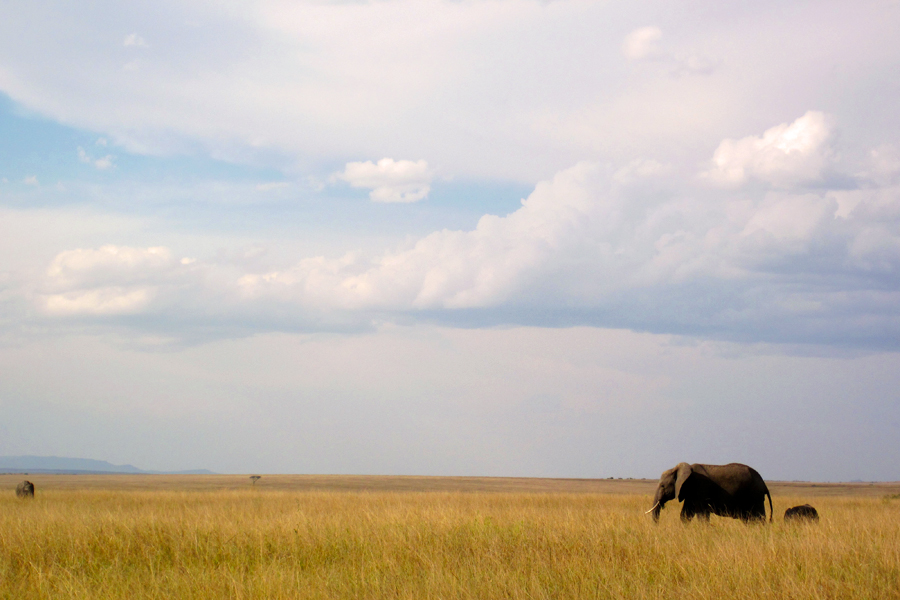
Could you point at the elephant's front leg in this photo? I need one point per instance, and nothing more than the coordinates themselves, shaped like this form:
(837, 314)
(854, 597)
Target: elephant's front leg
(694, 508)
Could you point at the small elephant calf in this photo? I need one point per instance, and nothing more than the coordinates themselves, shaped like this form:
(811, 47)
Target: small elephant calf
(25, 489)
(804, 512)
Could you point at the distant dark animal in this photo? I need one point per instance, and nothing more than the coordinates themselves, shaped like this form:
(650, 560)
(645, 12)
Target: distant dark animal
(804, 512)
(25, 489)
(732, 490)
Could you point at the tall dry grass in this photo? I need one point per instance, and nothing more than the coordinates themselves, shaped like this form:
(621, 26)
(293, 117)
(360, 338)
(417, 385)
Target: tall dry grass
(264, 544)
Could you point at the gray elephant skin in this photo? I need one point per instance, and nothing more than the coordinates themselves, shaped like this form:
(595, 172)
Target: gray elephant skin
(732, 490)
(804, 512)
(25, 489)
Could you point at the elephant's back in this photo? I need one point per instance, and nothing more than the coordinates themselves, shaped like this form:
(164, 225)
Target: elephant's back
(733, 469)
(735, 478)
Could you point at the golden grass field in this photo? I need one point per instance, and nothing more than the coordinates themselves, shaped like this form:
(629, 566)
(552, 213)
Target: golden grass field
(139, 536)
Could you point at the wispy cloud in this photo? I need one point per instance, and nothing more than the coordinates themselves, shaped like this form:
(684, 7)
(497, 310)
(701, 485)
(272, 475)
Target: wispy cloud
(134, 40)
(644, 44)
(102, 163)
(272, 185)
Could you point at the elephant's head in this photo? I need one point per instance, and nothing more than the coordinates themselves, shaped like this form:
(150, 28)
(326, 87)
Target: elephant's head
(671, 486)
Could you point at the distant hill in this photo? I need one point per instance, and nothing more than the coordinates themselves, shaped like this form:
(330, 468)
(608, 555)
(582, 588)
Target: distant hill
(58, 464)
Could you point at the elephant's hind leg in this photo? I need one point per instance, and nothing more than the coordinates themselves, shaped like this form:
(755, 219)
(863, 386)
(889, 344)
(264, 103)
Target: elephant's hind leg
(758, 512)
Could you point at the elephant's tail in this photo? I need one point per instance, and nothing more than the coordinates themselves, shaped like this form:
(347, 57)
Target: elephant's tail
(771, 510)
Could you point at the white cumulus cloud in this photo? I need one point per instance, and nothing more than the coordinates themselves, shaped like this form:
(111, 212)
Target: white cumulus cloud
(73, 265)
(106, 280)
(448, 269)
(784, 155)
(100, 301)
(628, 247)
(601, 240)
(390, 180)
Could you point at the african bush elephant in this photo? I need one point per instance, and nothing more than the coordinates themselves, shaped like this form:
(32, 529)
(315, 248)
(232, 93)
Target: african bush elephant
(732, 490)
(25, 489)
(804, 512)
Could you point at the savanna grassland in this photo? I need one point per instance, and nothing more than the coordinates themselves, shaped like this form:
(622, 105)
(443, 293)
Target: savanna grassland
(208, 537)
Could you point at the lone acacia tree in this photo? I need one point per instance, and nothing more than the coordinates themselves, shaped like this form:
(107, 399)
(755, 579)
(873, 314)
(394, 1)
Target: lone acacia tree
(254, 479)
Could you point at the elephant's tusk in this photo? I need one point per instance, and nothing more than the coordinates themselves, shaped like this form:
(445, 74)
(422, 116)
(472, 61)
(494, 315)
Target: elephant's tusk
(651, 510)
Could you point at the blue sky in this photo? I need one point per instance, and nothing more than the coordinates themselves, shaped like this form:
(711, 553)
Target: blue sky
(509, 237)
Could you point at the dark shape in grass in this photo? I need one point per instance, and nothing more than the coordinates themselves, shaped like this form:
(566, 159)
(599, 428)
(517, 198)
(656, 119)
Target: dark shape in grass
(804, 512)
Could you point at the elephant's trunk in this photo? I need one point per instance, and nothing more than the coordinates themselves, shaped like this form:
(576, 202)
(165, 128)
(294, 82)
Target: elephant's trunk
(655, 510)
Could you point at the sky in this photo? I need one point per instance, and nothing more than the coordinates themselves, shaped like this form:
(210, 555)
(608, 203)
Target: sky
(566, 238)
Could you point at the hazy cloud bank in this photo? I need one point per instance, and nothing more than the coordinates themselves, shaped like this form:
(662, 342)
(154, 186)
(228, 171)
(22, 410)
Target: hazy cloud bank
(514, 89)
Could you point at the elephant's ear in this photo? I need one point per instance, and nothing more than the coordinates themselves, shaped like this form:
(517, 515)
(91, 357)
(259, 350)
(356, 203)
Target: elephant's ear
(684, 471)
